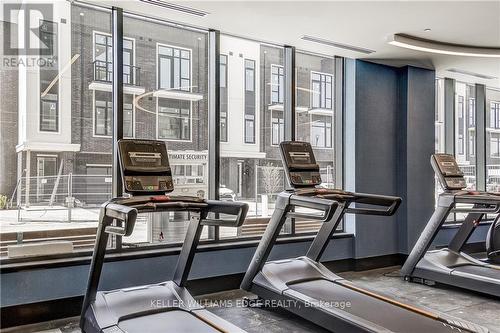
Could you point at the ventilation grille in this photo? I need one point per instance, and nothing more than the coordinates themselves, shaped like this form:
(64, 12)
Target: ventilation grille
(176, 7)
(337, 45)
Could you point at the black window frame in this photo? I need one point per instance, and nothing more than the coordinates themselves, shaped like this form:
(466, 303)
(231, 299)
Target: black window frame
(279, 123)
(172, 58)
(224, 98)
(106, 66)
(50, 96)
(328, 139)
(178, 115)
(277, 89)
(325, 102)
(250, 105)
(495, 114)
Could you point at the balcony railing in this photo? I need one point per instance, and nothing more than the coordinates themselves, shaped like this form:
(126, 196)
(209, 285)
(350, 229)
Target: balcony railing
(103, 72)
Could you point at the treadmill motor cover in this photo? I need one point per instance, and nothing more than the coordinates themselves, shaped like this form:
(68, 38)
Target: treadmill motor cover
(145, 167)
(300, 164)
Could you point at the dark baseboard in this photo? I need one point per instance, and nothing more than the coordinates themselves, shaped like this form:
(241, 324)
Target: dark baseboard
(26, 314)
(31, 313)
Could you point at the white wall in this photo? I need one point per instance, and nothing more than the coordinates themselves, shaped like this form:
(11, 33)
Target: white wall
(29, 86)
(236, 145)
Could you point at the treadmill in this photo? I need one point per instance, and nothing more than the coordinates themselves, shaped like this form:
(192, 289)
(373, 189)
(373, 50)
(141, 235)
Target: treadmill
(161, 307)
(306, 287)
(450, 265)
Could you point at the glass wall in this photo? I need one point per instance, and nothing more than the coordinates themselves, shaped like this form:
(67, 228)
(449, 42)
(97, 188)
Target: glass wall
(315, 118)
(55, 144)
(252, 79)
(465, 131)
(493, 139)
(56, 128)
(168, 71)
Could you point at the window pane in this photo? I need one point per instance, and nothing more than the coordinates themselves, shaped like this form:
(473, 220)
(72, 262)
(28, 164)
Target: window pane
(315, 118)
(250, 169)
(173, 108)
(493, 140)
(465, 131)
(64, 185)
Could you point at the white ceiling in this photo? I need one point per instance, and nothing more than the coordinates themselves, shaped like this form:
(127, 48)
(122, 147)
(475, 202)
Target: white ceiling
(365, 24)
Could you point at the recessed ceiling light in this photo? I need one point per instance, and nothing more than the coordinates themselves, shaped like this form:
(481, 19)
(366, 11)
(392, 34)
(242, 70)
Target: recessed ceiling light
(176, 7)
(336, 44)
(427, 30)
(427, 45)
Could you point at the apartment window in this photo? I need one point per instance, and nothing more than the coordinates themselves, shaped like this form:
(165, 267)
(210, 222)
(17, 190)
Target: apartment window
(223, 98)
(278, 127)
(495, 115)
(472, 145)
(249, 101)
(49, 86)
(277, 84)
(174, 68)
(48, 37)
(322, 91)
(174, 119)
(49, 113)
(183, 174)
(461, 125)
(128, 116)
(321, 131)
(103, 59)
(472, 112)
(103, 116)
(495, 145)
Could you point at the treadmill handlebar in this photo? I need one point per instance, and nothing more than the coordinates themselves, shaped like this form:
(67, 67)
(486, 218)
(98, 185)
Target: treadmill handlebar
(391, 203)
(125, 210)
(238, 209)
(328, 206)
(124, 214)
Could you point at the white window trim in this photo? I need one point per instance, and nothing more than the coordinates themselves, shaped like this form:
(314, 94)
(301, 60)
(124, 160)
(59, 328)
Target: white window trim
(273, 145)
(227, 142)
(312, 91)
(271, 85)
(331, 129)
(95, 32)
(190, 90)
(257, 96)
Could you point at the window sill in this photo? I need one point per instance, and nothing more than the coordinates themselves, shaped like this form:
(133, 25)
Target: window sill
(84, 257)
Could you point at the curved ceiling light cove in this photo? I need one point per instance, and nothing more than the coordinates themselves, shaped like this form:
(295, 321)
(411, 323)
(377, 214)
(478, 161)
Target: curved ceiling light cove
(432, 46)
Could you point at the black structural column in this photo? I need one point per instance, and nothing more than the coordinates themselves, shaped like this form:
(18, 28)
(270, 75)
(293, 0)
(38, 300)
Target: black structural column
(289, 93)
(449, 116)
(481, 172)
(117, 27)
(213, 113)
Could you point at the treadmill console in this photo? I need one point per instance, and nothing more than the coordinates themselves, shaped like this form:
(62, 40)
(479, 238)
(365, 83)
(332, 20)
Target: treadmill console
(145, 167)
(300, 165)
(448, 172)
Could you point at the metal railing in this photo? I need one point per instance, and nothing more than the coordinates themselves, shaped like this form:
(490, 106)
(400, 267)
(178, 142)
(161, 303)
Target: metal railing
(103, 71)
(65, 190)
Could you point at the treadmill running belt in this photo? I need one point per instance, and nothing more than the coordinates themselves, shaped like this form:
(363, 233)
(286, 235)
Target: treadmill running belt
(392, 317)
(479, 270)
(177, 321)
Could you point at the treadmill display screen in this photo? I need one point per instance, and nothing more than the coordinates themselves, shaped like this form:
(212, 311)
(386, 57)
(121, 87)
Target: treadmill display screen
(300, 165)
(448, 172)
(145, 167)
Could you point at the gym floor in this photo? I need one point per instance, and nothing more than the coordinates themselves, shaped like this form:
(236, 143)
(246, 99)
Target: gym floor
(476, 308)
